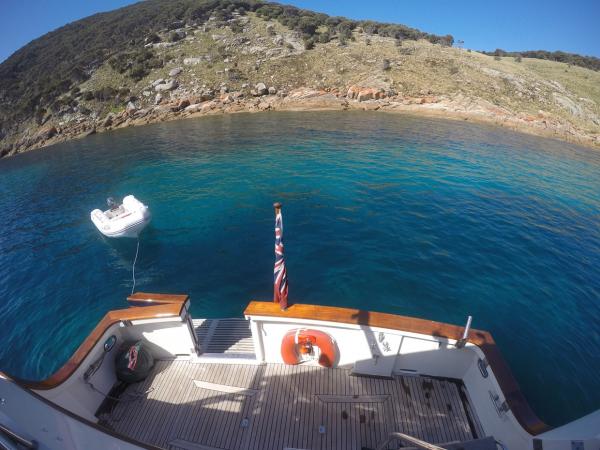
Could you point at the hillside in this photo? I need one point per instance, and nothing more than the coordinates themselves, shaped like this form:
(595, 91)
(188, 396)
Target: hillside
(162, 60)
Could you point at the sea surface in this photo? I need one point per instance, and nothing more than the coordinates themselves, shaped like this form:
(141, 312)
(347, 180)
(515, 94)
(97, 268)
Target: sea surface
(421, 217)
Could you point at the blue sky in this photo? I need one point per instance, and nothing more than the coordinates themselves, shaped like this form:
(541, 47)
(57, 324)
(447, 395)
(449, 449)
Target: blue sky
(571, 26)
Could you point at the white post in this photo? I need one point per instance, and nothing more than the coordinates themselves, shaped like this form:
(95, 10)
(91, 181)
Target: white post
(463, 340)
(256, 330)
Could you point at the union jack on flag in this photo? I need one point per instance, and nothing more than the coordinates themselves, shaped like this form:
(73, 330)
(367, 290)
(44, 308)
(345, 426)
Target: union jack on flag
(280, 285)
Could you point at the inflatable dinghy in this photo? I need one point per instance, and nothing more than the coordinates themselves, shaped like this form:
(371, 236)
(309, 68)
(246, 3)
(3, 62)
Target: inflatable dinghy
(125, 220)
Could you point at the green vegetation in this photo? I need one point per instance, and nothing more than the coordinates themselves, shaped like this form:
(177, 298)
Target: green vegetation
(137, 64)
(308, 23)
(589, 62)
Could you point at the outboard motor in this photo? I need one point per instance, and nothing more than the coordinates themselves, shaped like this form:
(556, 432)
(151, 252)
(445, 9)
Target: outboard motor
(111, 203)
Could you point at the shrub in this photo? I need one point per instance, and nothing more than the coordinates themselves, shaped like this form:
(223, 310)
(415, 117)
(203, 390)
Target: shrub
(309, 43)
(324, 37)
(175, 36)
(308, 25)
(589, 62)
(152, 38)
(104, 94)
(518, 58)
(236, 27)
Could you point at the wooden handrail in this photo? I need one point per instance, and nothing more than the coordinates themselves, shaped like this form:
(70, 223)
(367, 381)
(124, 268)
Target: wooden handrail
(151, 299)
(508, 384)
(172, 309)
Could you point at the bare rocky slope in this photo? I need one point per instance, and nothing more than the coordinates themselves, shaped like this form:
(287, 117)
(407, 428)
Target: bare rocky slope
(246, 62)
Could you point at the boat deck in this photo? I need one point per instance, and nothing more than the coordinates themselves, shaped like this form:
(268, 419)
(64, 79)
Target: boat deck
(195, 405)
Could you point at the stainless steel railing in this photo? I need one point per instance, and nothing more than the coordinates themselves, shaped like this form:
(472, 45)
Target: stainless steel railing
(17, 438)
(408, 439)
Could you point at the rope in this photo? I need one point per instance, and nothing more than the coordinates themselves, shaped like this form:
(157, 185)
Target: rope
(137, 248)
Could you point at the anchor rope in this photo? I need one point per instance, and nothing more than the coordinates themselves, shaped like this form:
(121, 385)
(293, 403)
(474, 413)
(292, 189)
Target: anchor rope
(137, 248)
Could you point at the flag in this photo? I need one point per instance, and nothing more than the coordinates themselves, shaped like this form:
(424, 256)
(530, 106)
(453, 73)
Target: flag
(280, 285)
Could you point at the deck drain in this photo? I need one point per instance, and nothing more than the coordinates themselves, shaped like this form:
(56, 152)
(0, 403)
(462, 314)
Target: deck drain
(321, 429)
(245, 422)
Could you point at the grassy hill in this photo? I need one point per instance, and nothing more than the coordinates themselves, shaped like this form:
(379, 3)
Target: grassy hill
(159, 60)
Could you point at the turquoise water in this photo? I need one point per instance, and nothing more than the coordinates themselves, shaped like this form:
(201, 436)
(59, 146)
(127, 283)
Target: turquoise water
(406, 215)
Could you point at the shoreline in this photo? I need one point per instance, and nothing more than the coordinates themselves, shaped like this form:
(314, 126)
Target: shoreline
(307, 99)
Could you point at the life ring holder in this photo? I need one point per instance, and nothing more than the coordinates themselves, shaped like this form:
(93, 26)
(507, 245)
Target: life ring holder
(298, 343)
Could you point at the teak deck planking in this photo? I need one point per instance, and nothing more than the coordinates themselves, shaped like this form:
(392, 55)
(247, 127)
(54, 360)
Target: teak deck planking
(283, 407)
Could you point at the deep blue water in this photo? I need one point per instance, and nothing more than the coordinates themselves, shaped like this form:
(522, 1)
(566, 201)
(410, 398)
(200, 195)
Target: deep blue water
(420, 217)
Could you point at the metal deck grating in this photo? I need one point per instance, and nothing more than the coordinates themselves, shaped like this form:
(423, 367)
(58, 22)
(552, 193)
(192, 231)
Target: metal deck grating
(224, 336)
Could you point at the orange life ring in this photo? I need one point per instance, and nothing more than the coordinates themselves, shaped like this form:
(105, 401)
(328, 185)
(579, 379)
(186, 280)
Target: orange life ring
(300, 342)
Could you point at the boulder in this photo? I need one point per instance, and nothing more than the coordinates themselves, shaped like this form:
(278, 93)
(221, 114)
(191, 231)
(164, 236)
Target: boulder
(158, 98)
(164, 44)
(207, 94)
(168, 86)
(353, 92)
(272, 90)
(183, 103)
(141, 113)
(176, 71)
(130, 108)
(193, 108)
(278, 40)
(46, 133)
(270, 29)
(192, 61)
(207, 106)
(365, 93)
(157, 82)
(261, 89)
(108, 120)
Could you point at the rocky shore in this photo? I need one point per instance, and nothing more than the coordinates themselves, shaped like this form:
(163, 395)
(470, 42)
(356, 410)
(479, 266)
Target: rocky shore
(261, 98)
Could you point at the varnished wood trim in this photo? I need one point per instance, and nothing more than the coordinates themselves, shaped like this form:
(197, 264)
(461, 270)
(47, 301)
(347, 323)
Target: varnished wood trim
(484, 340)
(112, 317)
(150, 299)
